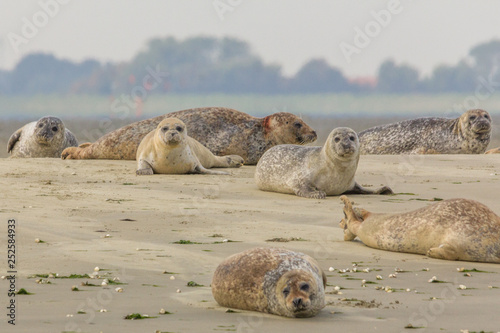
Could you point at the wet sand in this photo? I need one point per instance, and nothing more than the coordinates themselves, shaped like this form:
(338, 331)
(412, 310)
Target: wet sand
(99, 213)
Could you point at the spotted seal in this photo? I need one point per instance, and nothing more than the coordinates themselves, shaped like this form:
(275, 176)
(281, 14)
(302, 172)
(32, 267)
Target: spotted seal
(468, 134)
(271, 280)
(223, 131)
(47, 137)
(455, 229)
(314, 172)
(168, 149)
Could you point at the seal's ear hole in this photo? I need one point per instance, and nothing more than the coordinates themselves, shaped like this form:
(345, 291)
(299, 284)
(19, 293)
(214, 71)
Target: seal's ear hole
(297, 125)
(54, 129)
(352, 138)
(471, 118)
(40, 125)
(286, 292)
(179, 129)
(486, 116)
(164, 128)
(304, 287)
(337, 139)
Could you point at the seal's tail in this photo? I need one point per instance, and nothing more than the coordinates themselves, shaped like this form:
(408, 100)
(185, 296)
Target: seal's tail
(74, 153)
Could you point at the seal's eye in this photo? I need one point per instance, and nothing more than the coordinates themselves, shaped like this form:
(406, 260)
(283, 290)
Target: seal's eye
(286, 292)
(179, 129)
(54, 129)
(472, 118)
(164, 128)
(486, 116)
(352, 138)
(304, 287)
(297, 125)
(337, 139)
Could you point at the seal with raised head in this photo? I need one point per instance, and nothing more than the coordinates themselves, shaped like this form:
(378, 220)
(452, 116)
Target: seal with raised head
(271, 280)
(47, 137)
(223, 131)
(493, 151)
(468, 134)
(314, 172)
(169, 149)
(455, 229)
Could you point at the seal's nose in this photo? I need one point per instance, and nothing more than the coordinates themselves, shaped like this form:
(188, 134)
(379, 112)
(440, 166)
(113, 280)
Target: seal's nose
(297, 302)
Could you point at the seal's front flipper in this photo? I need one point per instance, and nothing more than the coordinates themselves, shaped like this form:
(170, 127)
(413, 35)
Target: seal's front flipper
(13, 139)
(308, 191)
(443, 251)
(358, 189)
(144, 169)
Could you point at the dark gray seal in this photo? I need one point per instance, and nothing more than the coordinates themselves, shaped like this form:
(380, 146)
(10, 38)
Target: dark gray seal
(314, 172)
(47, 137)
(223, 131)
(271, 280)
(468, 134)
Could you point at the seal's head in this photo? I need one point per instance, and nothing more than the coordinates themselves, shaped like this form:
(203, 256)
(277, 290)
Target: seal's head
(49, 130)
(342, 143)
(286, 128)
(298, 293)
(477, 122)
(171, 131)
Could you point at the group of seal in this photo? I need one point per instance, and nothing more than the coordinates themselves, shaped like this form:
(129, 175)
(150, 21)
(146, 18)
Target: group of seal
(223, 131)
(284, 282)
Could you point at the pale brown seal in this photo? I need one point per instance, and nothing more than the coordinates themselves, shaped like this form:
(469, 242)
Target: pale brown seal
(314, 172)
(47, 137)
(223, 131)
(169, 149)
(271, 280)
(468, 134)
(456, 229)
(493, 151)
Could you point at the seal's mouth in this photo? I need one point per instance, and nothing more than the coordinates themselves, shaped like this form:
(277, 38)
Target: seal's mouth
(304, 139)
(482, 129)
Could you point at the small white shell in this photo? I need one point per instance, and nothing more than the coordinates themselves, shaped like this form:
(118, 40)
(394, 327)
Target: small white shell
(37, 240)
(178, 291)
(96, 269)
(172, 277)
(379, 277)
(462, 287)
(162, 311)
(103, 310)
(331, 269)
(119, 290)
(434, 278)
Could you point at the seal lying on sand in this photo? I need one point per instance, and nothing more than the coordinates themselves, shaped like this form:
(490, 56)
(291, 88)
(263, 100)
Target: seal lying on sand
(493, 151)
(271, 280)
(456, 229)
(468, 134)
(169, 149)
(223, 131)
(47, 137)
(314, 172)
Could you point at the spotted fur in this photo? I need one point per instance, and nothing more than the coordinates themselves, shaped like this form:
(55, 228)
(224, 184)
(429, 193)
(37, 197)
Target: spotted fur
(223, 131)
(468, 134)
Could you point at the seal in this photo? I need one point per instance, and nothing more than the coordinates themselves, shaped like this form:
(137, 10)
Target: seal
(468, 134)
(314, 172)
(455, 229)
(47, 137)
(223, 131)
(271, 280)
(493, 151)
(169, 149)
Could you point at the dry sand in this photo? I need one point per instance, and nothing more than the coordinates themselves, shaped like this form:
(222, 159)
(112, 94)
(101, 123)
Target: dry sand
(72, 206)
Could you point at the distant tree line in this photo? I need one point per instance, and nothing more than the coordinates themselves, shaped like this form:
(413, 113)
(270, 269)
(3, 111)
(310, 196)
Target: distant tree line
(227, 65)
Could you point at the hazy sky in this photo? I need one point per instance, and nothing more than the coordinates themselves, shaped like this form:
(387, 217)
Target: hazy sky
(422, 33)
